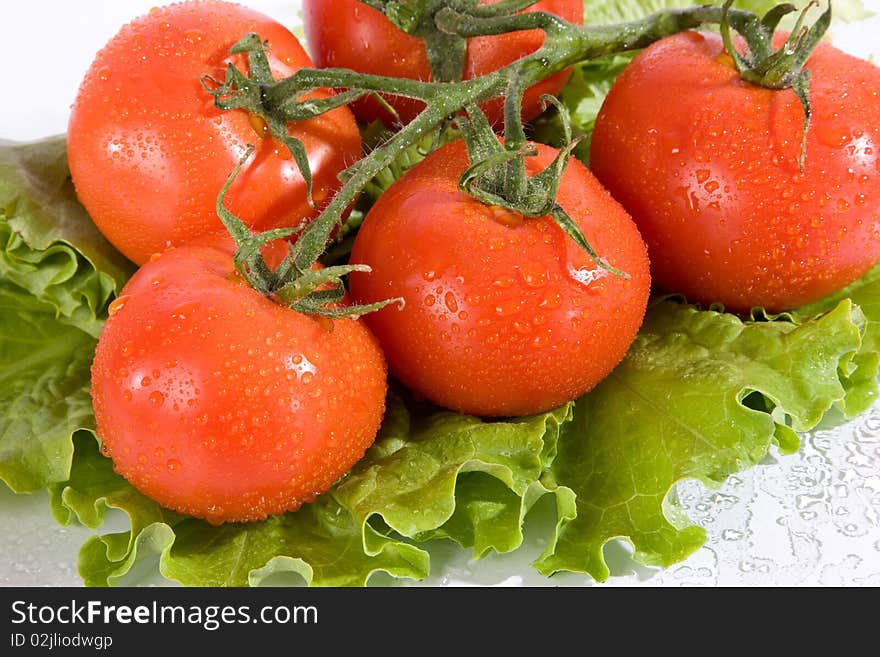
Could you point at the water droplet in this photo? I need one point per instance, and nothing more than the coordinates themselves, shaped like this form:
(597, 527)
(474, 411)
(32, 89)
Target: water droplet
(533, 274)
(507, 307)
(503, 282)
(156, 398)
(586, 276)
(117, 304)
(173, 465)
(506, 217)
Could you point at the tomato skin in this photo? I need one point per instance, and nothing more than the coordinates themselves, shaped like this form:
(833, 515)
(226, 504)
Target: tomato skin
(349, 34)
(496, 322)
(149, 152)
(711, 174)
(218, 403)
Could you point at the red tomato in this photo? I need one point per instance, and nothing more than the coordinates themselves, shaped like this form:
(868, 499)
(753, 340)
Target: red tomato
(504, 315)
(149, 152)
(218, 403)
(349, 34)
(711, 173)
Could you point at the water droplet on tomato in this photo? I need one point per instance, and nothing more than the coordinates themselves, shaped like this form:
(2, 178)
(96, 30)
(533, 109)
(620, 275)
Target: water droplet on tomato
(156, 398)
(586, 276)
(173, 465)
(430, 300)
(185, 310)
(497, 243)
(522, 327)
(506, 217)
(117, 304)
(542, 339)
(552, 300)
(533, 274)
(450, 302)
(104, 74)
(831, 134)
(507, 308)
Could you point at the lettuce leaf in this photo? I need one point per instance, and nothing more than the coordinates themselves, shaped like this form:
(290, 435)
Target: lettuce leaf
(430, 474)
(701, 395)
(48, 244)
(44, 383)
(57, 275)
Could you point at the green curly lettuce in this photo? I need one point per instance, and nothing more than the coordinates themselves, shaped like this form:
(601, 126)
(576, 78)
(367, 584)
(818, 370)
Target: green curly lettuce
(57, 275)
(701, 395)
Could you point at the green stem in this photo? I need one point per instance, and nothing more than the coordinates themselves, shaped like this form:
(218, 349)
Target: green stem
(565, 44)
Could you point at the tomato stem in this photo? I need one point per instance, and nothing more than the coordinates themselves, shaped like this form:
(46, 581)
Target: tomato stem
(781, 68)
(497, 173)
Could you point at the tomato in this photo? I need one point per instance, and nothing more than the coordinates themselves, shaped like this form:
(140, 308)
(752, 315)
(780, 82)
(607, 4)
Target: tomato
(504, 315)
(218, 403)
(711, 173)
(349, 34)
(149, 152)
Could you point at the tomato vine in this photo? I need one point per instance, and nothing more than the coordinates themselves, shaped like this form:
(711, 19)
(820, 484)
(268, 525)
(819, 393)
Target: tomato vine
(497, 174)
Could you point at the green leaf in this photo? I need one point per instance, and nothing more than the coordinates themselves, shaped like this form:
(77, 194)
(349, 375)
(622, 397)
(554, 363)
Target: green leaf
(44, 390)
(700, 395)
(48, 236)
(431, 474)
(57, 275)
(859, 377)
(582, 97)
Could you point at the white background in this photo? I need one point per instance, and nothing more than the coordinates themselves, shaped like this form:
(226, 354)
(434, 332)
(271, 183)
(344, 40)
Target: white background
(808, 519)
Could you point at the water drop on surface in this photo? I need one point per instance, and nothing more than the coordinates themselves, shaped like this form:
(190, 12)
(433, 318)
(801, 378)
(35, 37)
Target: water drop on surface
(117, 304)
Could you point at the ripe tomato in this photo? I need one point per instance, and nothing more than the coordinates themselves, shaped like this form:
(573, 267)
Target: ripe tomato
(711, 173)
(149, 152)
(503, 315)
(218, 403)
(349, 34)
